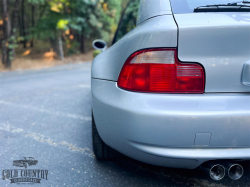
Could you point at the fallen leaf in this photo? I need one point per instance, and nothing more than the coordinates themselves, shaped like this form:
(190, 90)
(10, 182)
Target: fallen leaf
(26, 53)
(50, 55)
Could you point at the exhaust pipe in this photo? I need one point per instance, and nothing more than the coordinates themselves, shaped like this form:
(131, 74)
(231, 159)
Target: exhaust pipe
(215, 171)
(235, 171)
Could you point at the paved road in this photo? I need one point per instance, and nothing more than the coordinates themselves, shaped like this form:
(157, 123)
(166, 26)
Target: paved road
(46, 114)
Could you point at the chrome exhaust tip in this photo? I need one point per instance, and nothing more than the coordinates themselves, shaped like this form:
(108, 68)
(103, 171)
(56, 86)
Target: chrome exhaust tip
(235, 172)
(215, 171)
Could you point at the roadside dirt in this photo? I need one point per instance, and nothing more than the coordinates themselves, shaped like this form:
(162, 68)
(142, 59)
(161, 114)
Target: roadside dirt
(39, 61)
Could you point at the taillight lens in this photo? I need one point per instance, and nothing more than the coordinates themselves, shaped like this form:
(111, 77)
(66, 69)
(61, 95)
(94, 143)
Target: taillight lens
(158, 70)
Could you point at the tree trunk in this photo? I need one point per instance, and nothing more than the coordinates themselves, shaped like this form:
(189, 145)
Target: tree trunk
(9, 32)
(20, 23)
(82, 42)
(32, 23)
(61, 47)
(6, 32)
(56, 44)
(11, 51)
(23, 24)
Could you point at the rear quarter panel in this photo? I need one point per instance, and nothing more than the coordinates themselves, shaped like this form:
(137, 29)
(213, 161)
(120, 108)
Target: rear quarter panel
(156, 32)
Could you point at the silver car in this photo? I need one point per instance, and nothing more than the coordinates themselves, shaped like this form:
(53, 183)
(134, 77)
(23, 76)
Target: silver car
(175, 90)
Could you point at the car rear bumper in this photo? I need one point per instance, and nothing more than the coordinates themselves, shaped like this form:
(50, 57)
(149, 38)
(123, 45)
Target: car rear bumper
(172, 130)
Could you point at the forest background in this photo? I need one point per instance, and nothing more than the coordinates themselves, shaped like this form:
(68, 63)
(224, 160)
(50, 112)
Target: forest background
(43, 33)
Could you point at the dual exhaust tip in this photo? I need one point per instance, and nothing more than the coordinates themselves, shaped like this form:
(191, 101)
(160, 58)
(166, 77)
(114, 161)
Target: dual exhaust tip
(218, 171)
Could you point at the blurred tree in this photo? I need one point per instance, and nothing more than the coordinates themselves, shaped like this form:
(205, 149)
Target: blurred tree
(80, 18)
(95, 19)
(128, 19)
(9, 31)
(69, 25)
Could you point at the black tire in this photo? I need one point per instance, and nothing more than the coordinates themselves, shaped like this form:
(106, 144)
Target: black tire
(101, 150)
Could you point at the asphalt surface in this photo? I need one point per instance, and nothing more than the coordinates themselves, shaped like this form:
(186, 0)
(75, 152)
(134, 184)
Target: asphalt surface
(46, 114)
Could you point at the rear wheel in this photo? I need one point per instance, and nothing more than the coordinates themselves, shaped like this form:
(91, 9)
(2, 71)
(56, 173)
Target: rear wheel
(101, 150)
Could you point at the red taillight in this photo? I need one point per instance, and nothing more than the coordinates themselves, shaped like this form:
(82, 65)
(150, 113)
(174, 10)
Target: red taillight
(158, 70)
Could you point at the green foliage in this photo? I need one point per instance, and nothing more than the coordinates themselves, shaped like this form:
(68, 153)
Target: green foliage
(62, 24)
(129, 19)
(71, 21)
(93, 18)
(36, 1)
(74, 46)
(96, 52)
(99, 17)
(12, 46)
(12, 42)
